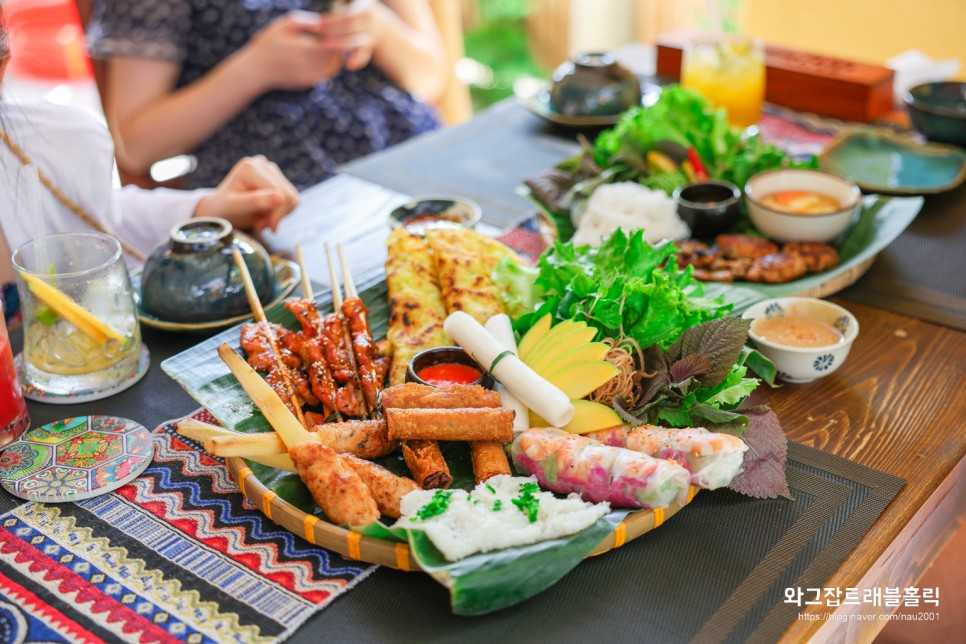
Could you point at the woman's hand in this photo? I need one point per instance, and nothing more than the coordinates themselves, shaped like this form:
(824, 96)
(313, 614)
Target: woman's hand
(289, 54)
(355, 33)
(254, 195)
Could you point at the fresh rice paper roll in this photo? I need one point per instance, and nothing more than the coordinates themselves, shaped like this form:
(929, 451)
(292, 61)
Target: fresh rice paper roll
(565, 463)
(713, 459)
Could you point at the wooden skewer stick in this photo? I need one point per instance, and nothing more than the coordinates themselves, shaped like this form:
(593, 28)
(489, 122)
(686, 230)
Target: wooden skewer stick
(306, 282)
(337, 307)
(276, 413)
(336, 289)
(259, 314)
(350, 285)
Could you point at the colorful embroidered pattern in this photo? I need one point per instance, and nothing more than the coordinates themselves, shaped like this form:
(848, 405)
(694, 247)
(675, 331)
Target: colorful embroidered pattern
(177, 554)
(75, 459)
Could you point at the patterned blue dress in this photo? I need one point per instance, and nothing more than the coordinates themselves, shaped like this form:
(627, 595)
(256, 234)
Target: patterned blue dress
(307, 133)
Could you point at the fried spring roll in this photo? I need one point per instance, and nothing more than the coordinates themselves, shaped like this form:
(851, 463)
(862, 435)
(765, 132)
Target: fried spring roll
(386, 488)
(364, 438)
(451, 424)
(427, 465)
(335, 486)
(489, 459)
(415, 396)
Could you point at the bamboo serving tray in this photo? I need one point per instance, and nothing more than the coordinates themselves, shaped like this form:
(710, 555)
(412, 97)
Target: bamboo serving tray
(359, 547)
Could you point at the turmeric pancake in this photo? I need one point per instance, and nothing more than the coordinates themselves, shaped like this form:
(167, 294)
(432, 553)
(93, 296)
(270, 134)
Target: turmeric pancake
(416, 310)
(464, 261)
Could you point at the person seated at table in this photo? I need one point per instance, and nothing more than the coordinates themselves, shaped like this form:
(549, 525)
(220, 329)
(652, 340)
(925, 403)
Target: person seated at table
(74, 154)
(221, 79)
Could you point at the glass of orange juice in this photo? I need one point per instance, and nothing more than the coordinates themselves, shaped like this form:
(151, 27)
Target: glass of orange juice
(729, 70)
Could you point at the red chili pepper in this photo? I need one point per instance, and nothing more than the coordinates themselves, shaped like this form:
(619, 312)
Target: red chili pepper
(695, 160)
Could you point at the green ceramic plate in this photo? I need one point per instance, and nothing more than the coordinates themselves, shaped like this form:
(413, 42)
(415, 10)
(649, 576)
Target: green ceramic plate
(880, 162)
(287, 276)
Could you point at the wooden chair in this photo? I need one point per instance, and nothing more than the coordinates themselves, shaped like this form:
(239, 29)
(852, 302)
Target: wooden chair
(454, 106)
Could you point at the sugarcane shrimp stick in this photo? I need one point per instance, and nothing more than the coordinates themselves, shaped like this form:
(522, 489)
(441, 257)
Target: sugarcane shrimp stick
(269, 451)
(386, 488)
(259, 314)
(345, 338)
(362, 438)
(336, 488)
(268, 402)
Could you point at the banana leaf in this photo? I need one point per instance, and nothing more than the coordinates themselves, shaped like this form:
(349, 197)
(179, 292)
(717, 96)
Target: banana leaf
(490, 581)
(478, 584)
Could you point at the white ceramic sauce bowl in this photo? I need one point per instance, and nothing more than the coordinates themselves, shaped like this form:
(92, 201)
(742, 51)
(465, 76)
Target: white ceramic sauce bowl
(804, 364)
(790, 227)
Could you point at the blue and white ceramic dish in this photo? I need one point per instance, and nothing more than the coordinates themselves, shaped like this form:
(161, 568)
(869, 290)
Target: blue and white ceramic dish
(804, 364)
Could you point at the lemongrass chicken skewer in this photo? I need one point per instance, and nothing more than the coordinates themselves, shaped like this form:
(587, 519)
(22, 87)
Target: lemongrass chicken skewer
(371, 375)
(283, 377)
(338, 332)
(308, 344)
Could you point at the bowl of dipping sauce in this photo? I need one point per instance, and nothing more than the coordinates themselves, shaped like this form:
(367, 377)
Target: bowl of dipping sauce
(709, 207)
(792, 204)
(445, 366)
(435, 211)
(806, 338)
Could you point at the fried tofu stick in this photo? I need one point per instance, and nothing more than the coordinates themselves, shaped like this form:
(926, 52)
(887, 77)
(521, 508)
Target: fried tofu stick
(427, 465)
(386, 488)
(489, 459)
(335, 486)
(415, 396)
(451, 424)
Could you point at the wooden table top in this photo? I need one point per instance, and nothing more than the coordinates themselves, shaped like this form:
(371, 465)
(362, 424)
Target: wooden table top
(895, 406)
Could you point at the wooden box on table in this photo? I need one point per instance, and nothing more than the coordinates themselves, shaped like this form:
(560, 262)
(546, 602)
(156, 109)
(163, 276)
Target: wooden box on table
(804, 81)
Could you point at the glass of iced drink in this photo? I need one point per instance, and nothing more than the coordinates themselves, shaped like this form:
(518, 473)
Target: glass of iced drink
(14, 419)
(729, 70)
(81, 331)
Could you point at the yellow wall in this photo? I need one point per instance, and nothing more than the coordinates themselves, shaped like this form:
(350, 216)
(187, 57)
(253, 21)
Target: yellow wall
(864, 30)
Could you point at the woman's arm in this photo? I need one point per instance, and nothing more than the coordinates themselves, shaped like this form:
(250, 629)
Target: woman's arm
(152, 120)
(399, 36)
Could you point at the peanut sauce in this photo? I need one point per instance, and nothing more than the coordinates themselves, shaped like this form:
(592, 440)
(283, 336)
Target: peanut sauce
(797, 331)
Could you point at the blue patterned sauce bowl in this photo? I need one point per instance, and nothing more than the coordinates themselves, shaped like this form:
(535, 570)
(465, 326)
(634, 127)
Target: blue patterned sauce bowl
(805, 337)
(193, 278)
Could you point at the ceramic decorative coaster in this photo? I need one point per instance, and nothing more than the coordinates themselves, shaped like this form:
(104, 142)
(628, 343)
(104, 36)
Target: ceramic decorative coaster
(75, 459)
(30, 392)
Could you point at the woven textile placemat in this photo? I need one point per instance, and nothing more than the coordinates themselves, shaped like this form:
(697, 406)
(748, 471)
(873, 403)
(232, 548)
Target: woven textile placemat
(176, 555)
(715, 572)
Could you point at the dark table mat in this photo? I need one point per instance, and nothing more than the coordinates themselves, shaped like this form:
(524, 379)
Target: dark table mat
(715, 572)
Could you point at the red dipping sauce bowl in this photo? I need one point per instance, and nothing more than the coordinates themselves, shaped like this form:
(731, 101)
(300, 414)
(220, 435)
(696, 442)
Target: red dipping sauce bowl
(446, 366)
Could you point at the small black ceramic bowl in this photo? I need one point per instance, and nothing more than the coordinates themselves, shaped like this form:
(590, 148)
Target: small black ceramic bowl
(444, 355)
(192, 278)
(938, 111)
(593, 84)
(435, 211)
(709, 207)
